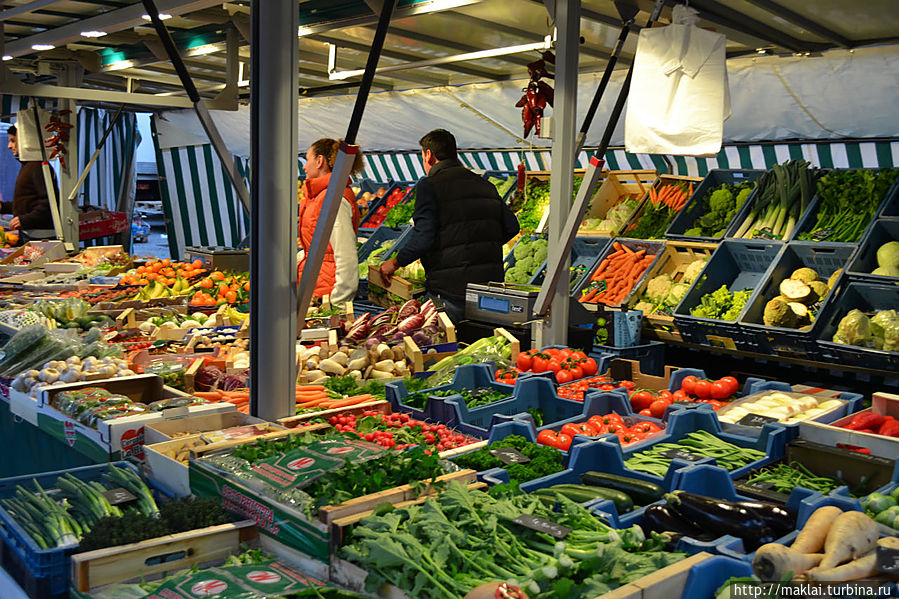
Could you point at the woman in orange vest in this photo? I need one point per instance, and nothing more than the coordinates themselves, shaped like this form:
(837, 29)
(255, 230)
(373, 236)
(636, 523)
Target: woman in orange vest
(339, 275)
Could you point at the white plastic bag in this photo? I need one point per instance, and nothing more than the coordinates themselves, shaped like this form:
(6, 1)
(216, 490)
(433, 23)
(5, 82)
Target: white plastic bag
(30, 138)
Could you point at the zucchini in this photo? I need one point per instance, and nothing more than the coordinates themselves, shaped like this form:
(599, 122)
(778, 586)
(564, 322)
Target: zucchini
(582, 493)
(642, 492)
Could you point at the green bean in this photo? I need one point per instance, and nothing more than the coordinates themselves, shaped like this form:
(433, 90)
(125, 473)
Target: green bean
(701, 443)
(784, 477)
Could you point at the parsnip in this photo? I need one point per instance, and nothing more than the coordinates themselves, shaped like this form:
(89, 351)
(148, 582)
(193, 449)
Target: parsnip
(773, 561)
(812, 536)
(852, 535)
(860, 568)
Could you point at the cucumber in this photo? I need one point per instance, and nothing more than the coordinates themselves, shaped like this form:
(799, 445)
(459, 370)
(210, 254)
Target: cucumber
(582, 493)
(642, 492)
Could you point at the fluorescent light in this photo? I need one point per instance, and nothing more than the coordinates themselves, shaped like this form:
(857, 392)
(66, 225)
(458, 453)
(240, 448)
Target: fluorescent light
(204, 49)
(162, 17)
(40, 47)
(119, 65)
(7, 57)
(93, 33)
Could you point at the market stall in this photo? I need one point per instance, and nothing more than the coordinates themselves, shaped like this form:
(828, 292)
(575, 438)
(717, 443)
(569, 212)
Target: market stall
(713, 403)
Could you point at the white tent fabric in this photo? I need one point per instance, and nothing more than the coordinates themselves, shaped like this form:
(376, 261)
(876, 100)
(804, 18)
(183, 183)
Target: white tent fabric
(841, 93)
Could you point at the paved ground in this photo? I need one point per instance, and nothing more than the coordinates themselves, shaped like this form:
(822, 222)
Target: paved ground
(157, 245)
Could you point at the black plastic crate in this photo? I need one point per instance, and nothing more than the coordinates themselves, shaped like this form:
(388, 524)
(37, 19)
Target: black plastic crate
(888, 203)
(503, 175)
(584, 252)
(738, 264)
(867, 297)
(694, 208)
(651, 247)
(862, 266)
(825, 259)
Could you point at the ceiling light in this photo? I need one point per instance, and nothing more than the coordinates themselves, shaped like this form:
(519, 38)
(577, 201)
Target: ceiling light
(41, 47)
(7, 57)
(162, 17)
(93, 33)
(761, 50)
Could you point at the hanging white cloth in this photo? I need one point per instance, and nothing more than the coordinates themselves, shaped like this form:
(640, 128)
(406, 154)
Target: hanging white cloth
(679, 95)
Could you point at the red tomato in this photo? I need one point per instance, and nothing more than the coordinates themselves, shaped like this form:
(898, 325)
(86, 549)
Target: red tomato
(613, 418)
(646, 427)
(553, 439)
(632, 437)
(629, 385)
(702, 389)
(524, 361)
(596, 421)
(564, 353)
(666, 394)
(720, 390)
(588, 365)
(554, 365)
(540, 362)
(576, 372)
(564, 376)
(679, 395)
(645, 412)
(732, 384)
(657, 409)
(581, 428)
(688, 385)
(642, 400)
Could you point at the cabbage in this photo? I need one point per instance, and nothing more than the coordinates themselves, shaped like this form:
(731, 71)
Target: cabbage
(888, 254)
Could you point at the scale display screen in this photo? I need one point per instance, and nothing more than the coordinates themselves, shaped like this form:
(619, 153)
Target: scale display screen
(493, 304)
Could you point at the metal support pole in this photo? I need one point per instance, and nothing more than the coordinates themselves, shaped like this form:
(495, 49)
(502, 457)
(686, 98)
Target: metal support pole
(199, 106)
(73, 190)
(273, 212)
(70, 75)
(555, 268)
(343, 164)
(561, 182)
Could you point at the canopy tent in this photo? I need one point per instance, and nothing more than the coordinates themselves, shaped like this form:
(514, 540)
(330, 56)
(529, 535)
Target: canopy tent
(103, 186)
(840, 93)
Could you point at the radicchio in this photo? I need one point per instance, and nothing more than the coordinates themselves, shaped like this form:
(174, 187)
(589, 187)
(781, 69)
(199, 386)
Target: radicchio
(208, 378)
(411, 323)
(235, 381)
(409, 308)
(360, 328)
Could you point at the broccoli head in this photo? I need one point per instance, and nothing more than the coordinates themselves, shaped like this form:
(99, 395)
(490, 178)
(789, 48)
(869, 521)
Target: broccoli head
(541, 250)
(526, 264)
(658, 288)
(523, 249)
(694, 232)
(517, 274)
(743, 196)
(721, 200)
(854, 329)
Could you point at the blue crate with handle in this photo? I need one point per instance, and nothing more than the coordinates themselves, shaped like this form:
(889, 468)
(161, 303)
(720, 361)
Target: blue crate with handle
(869, 298)
(44, 568)
(864, 263)
(651, 356)
(695, 207)
(737, 264)
(825, 259)
(809, 221)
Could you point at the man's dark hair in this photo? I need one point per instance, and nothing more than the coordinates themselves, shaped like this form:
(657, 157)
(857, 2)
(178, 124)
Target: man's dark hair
(441, 142)
(12, 131)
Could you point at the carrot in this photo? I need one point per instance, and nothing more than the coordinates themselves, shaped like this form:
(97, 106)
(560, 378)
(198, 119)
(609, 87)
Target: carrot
(305, 400)
(311, 387)
(208, 395)
(812, 536)
(617, 246)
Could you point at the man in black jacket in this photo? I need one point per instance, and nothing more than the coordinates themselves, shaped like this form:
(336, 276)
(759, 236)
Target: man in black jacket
(460, 226)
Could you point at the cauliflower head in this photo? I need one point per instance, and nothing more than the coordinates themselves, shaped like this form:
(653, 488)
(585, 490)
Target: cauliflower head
(658, 288)
(854, 329)
(675, 294)
(693, 269)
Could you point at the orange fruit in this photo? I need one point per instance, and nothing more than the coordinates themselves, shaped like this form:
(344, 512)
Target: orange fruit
(197, 264)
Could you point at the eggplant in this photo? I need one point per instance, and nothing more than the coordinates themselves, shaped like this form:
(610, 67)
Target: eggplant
(722, 518)
(780, 519)
(659, 518)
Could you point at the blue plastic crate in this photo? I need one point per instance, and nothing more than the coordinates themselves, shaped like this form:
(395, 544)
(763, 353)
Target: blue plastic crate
(652, 248)
(585, 252)
(44, 568)
(867, 297)
(825, 259)
(865, 262)
(807, 223)
(651, 356)
(695, 207)
(706, 577)
(738, 264)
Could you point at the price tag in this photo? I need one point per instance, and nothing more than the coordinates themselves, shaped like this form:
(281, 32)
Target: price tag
(119, 496)
(540, 525)
(757, 420)
(509, 455)
(765, 233)
(887, 560)
(683, 455)
(762, 485)
(821, 234)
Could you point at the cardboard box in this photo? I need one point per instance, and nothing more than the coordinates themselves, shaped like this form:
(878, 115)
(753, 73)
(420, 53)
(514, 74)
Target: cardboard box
(158, 432)
(119, 438)
(53, 250)
(834, 434)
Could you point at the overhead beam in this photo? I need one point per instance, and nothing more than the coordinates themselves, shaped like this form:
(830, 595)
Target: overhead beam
(452, 44)
(803, 21)
(366, 17)
(406, 57)
(24, 9)
(112, 21)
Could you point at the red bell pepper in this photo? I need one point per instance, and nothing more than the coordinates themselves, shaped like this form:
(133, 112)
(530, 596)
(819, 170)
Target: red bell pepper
(865, 420)
(889, 428)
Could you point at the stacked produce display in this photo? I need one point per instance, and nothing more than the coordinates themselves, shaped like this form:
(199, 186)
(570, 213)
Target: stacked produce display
(419, 461)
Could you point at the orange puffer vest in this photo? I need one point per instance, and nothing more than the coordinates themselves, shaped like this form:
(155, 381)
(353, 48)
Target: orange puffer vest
(310, 208)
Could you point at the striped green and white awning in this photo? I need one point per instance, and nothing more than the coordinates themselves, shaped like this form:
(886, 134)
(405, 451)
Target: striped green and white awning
(827, 154)
(201, 207)
(103, 183)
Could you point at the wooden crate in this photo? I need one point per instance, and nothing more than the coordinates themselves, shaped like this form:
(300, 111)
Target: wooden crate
(398, 285)
(662, 181)
(213, 447)
(617, 186)
(378, 405)
(544, 176)
(674, 260)
(112, 565)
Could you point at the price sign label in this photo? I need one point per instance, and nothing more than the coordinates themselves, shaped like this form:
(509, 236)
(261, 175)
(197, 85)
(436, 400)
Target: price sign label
(761, 485)
(509, 455)
(887, 560)
(542, 525)
(681, 454)
(757, 420)
(821, 234)
(119, 496)
(765, 233)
